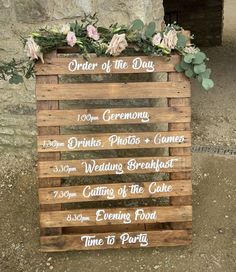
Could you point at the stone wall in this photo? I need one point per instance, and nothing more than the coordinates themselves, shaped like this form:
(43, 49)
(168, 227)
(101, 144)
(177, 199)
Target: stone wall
(20, 17)
(203, 17)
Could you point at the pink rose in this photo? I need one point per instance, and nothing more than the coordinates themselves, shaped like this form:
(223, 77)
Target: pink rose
(156, 40)
(92, 32)
(117, 44)
(71, 38)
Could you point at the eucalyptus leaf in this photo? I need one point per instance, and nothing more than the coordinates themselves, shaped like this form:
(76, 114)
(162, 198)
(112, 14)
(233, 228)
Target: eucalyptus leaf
(150, 30)
(189, 73)
(137, 25)
(16, 79)
(138, 36)
(188, 58)
(185, 65)
(199, 68)
(182, 40)
(207, 73)
(207, 83)
(178, 68)
(199, 58)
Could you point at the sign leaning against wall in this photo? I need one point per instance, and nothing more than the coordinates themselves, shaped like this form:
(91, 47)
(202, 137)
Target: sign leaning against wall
(103, 182)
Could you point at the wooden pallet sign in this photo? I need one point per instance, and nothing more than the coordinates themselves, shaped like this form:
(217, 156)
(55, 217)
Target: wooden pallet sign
(92, 197)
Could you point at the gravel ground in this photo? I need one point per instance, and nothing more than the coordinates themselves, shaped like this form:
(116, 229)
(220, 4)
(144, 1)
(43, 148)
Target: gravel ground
(214, 239)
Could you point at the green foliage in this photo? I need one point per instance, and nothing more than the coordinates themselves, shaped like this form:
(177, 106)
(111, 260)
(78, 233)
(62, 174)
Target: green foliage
(14, 71)
(138, 36)
(179, 68)
(150, 30)
(199, 58)
(188, 58)
(205, 74)
(207, 83)
(199, 68)
(189, 73)
(184, 65)
(89, 19)
(48, 40)
(137, 25)
(182, 41)
(16, 79)
(192, 70)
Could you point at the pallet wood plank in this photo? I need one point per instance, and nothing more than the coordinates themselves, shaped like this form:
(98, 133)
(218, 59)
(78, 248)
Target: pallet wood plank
(184, 200)
(78, 65)
(114, 191)
(45, 182)
(114, 216)
(113, 166)
(106, 141)
(132, 90)
(113, 116)
(122, 240)
(137, 223)
(106, 228)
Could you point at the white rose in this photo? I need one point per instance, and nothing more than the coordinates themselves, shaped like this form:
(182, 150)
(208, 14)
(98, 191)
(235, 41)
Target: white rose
(65, 29)
(33, 50)
(170, 39)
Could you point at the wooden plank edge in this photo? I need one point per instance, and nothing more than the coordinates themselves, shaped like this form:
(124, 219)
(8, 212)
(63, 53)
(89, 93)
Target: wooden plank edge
(59, 65)
(114, 166)
(111, 141)
(141, 239)
(115, 216)
(113, 191)
(130, 90)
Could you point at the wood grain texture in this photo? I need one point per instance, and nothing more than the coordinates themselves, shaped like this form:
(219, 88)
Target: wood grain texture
(134, 90)
(59, 66)
(155, 238)
(106, 228)
(113, 166)
(185, 200)
(113, 116)
(63, 230)
(103, 192)
(89, 217)
(48, 105)
(106, 141)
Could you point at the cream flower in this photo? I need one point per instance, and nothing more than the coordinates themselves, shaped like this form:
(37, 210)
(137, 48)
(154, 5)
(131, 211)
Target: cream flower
(71, 38)
(170, 39)
(65, 29)
(191, 49)
(117, 44)
(92, 32)
(156, 40)
(33, 49)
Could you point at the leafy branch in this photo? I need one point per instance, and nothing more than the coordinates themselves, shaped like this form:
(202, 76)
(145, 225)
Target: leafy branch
(14, 71)
(194, 66)
(139, 37)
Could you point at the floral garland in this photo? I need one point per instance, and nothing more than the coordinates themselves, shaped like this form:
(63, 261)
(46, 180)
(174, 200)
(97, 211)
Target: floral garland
(112, 41)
